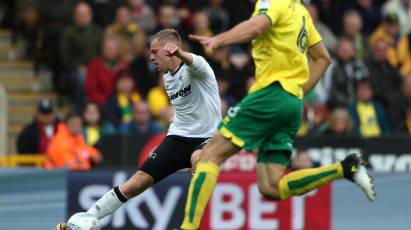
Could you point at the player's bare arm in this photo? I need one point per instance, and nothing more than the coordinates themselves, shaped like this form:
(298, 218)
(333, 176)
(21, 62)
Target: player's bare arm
(243, 32)
(173, 49)
(320, 59)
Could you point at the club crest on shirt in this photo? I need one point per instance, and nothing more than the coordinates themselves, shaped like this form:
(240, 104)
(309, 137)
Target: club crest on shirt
(152, 156)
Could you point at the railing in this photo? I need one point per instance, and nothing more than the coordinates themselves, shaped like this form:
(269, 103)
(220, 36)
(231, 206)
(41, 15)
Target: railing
(3, 120)
(15, 160)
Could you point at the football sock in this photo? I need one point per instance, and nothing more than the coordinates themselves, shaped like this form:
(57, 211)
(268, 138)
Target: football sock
(305, 180)
(201, 187)
(108, 203)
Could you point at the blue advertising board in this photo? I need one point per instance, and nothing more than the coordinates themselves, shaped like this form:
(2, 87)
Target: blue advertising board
(159, 207)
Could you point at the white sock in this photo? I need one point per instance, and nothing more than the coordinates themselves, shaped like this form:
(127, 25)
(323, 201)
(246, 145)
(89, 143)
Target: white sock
(107, 204)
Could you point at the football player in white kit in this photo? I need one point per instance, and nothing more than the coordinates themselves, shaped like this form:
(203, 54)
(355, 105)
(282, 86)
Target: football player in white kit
(193, 93)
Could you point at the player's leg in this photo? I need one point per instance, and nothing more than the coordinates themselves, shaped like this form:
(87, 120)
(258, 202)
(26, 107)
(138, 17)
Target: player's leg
(198, 150)
(242, 127)
(275, 152)
(274, 185)
(195, 158)
(205, 177)
(116, 197)
(268, 177)
(274, 158)
(170, 156)
(136, 184)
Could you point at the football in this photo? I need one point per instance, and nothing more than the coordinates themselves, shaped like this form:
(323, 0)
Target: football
(83, 221)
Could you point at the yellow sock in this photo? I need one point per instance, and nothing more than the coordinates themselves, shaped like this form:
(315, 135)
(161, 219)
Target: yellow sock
(305, 180)
(201, 187)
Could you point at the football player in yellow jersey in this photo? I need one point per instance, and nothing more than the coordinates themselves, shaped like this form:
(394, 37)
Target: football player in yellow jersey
(282, 34)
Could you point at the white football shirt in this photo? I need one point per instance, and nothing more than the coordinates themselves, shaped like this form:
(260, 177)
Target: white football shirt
(193, 93)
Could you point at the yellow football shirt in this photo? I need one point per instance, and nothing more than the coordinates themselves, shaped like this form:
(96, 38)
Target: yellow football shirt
(280, 53)
(368, 119)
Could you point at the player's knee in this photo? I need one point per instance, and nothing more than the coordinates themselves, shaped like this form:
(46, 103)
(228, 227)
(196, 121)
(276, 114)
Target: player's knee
(195, 157)
(218, 149)
(269, 191)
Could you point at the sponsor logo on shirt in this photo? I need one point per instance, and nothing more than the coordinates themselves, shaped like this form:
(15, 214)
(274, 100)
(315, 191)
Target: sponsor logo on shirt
(181, 93)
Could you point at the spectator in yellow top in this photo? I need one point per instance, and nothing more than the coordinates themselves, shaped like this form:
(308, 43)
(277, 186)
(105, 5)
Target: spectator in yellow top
(94, 128)
(368, 115)
(119, 106)
(131, 36)
(398, 53)
(158, 99)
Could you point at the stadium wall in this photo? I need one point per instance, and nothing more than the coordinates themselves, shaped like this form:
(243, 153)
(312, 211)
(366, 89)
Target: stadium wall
(32, 198)
(384, 154)
(37, 199)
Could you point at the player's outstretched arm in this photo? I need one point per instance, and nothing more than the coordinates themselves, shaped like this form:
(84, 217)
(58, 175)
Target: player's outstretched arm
(320, 59)
(243, 32)
(172, 49)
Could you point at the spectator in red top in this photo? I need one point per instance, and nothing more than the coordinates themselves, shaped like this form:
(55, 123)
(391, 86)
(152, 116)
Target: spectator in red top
(102, 72)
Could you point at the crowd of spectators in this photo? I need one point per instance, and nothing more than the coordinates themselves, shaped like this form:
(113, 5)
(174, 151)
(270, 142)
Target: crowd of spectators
(98, 54)
(364, 91)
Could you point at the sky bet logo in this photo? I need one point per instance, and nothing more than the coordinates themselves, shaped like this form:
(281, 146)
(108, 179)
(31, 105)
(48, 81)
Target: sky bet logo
(182, 93)
(153, 209)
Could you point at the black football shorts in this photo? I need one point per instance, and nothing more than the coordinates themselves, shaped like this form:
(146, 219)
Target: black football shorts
(173, 154)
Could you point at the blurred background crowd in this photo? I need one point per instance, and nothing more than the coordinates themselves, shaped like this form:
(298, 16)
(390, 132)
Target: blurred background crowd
(97, 52)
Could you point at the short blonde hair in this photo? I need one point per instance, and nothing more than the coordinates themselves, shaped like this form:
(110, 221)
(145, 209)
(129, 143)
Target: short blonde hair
(168, 35)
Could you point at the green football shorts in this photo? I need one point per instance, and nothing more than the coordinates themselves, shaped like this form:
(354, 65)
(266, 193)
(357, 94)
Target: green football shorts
(267, 119)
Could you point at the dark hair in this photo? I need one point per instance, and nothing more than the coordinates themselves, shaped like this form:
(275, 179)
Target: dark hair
(352, 13)
(90, 103)
(71, 115)
(125, 73)
(168, 35)
(123, 6)
(344, 38)
(363, 80)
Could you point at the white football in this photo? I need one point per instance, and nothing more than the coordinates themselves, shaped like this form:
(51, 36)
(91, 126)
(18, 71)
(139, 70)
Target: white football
(83, 221)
